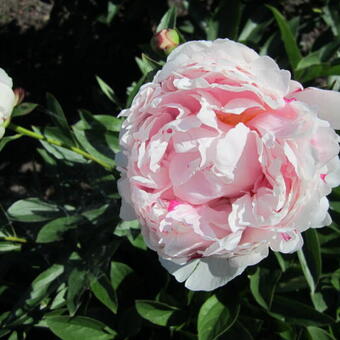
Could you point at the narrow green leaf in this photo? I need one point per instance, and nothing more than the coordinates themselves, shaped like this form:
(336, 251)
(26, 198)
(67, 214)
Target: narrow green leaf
(33, 210)
(158, 313)
(288, 38)
(215, 318)
(108, 91)
(76, 286)
(57, 114)
(102, 289)
(310, 258)
(263, 284)
(80, 327)
(7, 139)
(168, 20)
(297, 313)
(316, 333)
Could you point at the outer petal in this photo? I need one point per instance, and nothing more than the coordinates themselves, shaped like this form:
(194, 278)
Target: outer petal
(212, 272)
(326, 103)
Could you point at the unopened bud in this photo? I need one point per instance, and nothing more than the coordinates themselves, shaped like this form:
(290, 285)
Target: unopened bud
(166, 40)
(19, 95)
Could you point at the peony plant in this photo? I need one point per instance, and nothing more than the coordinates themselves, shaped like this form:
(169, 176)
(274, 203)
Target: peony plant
(223, 157)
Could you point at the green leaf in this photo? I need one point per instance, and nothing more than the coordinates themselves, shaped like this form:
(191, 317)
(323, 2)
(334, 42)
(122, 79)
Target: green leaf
(147, 64)
(7, 139)
(102, 289)
(310, 258)
(6, 247)
(316, 333)
(288, 38)
(76, 285)
(58, 116)
(33, 210)
(263, 284)
(98, 122)
(158, 313)
(108, 91)
(168, 20)
(24, 109)
(297, 313)
(119, 271)
(319, 302)
(215, 318)
(54, 230)
(80, 327)
(332, 18)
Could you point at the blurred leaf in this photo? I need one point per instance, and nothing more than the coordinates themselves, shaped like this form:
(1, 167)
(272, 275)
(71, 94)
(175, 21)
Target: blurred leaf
(238, 331)
(335, 279)
(316, 71)
(112, 10)
(254, 28)
(98, 122)
(319, 302)
(225, 21)
(33, 210)
(263, 284)
(76, 285)
(53, 231)
(215, 318)
(9, 246)
(7, 139)
(119, 271)
(102, 289)
(310, 258)
(297, 313)
(158, 313)
(168, 20)
(24, 109)
(108, 91)
(315, 333)
(288, 38)
(330, 13)
(80, 327)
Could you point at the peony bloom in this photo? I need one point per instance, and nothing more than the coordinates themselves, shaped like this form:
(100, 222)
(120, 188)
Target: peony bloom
(224, 157)
(7, 99)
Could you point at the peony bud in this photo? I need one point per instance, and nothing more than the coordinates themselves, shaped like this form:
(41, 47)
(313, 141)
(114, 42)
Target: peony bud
(20, 94)
(166, 40)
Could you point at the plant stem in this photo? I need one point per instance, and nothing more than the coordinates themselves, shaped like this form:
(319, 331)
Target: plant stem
(23, 131)
(13, 239)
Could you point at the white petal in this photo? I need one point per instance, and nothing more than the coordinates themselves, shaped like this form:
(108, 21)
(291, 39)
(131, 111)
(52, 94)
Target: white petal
(326, 103)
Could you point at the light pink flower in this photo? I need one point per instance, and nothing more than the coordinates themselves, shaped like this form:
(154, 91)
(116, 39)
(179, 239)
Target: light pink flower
(223, 156)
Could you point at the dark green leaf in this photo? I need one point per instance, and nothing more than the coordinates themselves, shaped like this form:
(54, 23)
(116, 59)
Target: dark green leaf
(310, 258)
(215, 318)
(263, 284)
(288, 38)
(7, 139)
(119, 271)
(77, 328)
(33, 210)
(298, 313)
(53, 231)
(23, 109)
(315, 333)
(158, 313)
(108, 91)
(102, 289)
(76, 285)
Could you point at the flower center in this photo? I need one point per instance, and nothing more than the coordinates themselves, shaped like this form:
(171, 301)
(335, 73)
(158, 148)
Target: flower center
(244, 117)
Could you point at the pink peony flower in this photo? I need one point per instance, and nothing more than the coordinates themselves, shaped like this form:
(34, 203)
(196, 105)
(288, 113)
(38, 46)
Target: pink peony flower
(223, 156)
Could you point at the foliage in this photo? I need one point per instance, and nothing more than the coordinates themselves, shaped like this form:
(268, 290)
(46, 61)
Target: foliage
(70, 269)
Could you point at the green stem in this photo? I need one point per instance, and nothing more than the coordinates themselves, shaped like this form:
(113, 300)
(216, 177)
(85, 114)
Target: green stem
(23, 131)
(13, 239)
